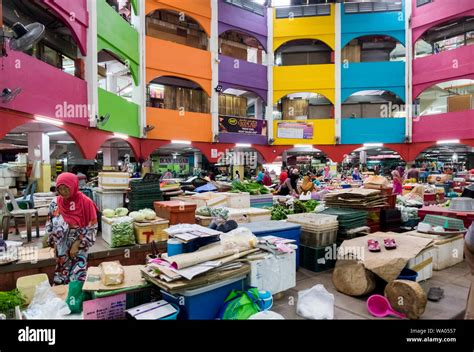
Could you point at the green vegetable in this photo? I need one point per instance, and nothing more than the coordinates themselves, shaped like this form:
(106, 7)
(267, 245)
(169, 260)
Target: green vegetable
(253, 188)
(9, 300)
(203, 211)
(221, 213)
(121, 211)
(137, 216)
(149, 214)
(108, 213)
(280, 212)
(122, 234)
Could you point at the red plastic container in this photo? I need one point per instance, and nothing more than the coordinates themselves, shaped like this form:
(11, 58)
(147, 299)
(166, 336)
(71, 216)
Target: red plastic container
(177, 212)
(467, 217)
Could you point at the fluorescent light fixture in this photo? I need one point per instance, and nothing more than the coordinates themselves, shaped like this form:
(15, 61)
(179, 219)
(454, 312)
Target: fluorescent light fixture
(57, 133)
(66, 142)
(15, 135)
(120, 135)
(51, 121)
(100, 152)
(376, 145)
(449, 141)
(181, 142)
(243, 145)
(302, 146)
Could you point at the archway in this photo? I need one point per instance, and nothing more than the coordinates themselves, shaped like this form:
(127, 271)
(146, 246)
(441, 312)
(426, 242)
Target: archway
(242, 46)
(175, 93)
(441, 98)
(304, 105)
(446, 36)
(176, 27)
(306, 158)
(304, 52)
(374, 158)
(451, 155)
(114, 75)
(373, 104)
(118, 154)
(59, 47)
(373, 48)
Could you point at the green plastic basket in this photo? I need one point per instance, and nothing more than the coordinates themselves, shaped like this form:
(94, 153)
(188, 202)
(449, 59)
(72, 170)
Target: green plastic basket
(445, 222)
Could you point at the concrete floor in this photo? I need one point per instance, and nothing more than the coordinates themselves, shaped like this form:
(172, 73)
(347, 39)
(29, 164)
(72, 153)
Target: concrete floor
(455, 281)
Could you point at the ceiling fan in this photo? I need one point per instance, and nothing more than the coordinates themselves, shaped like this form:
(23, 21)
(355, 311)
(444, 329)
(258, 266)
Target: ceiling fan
(21, 38)
(103, 119)
(8, 95)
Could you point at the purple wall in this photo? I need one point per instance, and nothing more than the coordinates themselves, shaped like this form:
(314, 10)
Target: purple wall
(442, 67)
(234, 73)
(234, 18)
(437, 12)
(241, 138)
(453, 125)
(45, 89)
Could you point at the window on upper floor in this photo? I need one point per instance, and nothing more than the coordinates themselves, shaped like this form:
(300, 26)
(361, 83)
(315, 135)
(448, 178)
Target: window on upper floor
(373, 104)
(301, 8)
(174, 93)
(113, 75)
(304, 52)
(242, 46)
(446, 36)
(375, 48)
(445, 97)
(362, 6)
(255, 6)
(241, 103)
(176, 27)
(57, 48)
(303, 106)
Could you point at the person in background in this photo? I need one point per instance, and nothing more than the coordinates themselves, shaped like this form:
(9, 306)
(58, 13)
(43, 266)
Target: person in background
(356, 175)
(267, 179)
(283, 175)
(212, 176)
(260, 176)
(401, 171)
(397, 183)
(237, 176)
(308, 185)
(290, 186)
(81, 177)
(71, 228)
(412, 173)
(327, 173)
(168, 175)
(469, 253)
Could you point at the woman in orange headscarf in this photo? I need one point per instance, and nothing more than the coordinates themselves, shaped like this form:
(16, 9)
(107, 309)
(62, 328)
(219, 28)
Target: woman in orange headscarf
(71, 229)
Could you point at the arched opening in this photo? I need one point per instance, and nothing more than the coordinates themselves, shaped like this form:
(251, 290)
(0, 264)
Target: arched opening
(451, 96)
(306, 158)
(116, 154)
(373, 48)
(113, 75)
(242, 46)
(174, 93)
(58, 47)
(446, 158)
(240, 103)
(445, 37)
(176, 27)
(303, 106)
(304, 52)
(373, 104)
(376, 159)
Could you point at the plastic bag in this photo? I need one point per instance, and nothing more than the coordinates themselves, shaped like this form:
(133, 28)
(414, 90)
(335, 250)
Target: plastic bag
(46, 305)
(266, 315)
(111, 273)
(75, 296)
(315, 303)
(240, 238)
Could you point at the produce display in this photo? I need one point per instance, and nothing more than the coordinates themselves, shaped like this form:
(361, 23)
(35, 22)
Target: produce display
(119, 212)
(9, 300)
(281, 211)
(123, 233)
(253, 188)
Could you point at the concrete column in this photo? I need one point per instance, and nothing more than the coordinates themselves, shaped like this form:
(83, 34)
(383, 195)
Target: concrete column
(38, 151)
(270, 63)
(214, 48)
(91, 63)
(197, 160)
(110, 156)
(338, 63)
(363, 157)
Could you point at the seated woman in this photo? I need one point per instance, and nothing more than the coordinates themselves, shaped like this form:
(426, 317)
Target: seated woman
(290, 186)
(308, 185)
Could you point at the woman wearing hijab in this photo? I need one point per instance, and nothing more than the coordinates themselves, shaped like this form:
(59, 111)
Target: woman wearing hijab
(397, 183)
(71, 229)
(267, 179)
(308, 185)
(289, 187)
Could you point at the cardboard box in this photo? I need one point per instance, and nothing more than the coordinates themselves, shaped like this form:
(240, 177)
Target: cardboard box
(113, 180)
(423, 264)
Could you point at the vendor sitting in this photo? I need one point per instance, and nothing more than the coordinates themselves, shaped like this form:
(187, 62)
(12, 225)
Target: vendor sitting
(308, 185)
(290, 186)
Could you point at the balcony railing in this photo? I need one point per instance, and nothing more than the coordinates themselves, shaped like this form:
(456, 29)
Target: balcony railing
(248, 5)
(368, 7)
(303, 11)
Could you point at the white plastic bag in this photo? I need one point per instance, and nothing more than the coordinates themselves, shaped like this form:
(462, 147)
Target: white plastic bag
(240, 238)
(266, 315)
(46, 305)
(315, 303)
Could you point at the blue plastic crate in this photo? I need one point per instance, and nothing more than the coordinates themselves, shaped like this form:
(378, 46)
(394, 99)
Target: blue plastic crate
(204, 303)
(281, 229)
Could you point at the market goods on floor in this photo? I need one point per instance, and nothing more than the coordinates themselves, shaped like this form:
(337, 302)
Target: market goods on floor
(170, 249)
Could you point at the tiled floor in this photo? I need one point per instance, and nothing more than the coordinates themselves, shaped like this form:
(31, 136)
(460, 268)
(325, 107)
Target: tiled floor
(455, 281)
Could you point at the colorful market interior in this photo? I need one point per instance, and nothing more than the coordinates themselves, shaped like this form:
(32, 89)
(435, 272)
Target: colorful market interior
(179, 105)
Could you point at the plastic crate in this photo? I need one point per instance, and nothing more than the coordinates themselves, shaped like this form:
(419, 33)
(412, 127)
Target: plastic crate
(445, 222)
(319, 238)
(204, 303)
(318, 259)
(108, 199)
(151, 231)
(313, 220)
